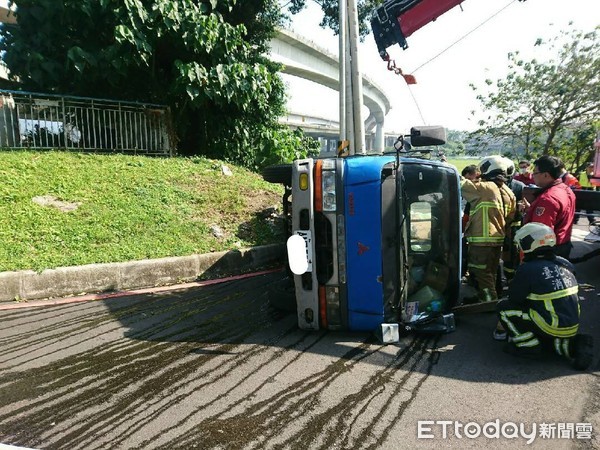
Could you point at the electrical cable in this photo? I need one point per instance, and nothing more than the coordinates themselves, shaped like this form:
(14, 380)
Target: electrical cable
(449, 47)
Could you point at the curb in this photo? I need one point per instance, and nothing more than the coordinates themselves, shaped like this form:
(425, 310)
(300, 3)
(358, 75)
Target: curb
(95, 278)
(147, 273)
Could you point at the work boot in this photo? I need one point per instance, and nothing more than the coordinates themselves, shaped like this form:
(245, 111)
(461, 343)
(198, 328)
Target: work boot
(500, 335)
(583, 351)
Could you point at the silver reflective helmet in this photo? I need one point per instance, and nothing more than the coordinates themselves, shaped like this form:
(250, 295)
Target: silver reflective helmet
(534, 235)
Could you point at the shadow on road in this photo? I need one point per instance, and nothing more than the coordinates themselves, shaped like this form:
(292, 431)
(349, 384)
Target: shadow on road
(226, 319)
(218, 367)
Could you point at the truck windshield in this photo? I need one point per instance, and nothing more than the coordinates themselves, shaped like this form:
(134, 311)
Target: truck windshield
(420, 230)
(431, 203)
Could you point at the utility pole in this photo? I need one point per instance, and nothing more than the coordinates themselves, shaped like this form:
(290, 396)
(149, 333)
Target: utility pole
(342, 71)
(351, 90)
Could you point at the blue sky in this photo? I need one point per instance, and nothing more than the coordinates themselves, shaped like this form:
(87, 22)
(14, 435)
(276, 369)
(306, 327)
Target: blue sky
(442, 92)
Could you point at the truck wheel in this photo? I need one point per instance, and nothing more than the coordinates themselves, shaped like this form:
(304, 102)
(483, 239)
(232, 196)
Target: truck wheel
(282, 295)
(278, 173)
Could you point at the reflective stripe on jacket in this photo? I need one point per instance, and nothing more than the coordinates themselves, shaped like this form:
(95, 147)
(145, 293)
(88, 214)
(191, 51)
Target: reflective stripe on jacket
(493, 207)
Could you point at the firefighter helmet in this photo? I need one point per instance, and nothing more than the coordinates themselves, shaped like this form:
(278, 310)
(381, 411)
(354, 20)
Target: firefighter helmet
(492, 166)
(533, 236)
(510, 167)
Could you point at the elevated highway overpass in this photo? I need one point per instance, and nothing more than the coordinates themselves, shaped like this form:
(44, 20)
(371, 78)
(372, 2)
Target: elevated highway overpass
(303, 58)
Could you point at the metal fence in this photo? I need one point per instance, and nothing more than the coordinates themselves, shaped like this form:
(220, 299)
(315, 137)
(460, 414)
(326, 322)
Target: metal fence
(40, 121)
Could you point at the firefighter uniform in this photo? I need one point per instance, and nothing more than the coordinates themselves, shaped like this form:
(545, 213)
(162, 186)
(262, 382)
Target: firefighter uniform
(510, 252)
(542, 305)
(570, 180)
(542, 309)
(555, 207)
(493, 207)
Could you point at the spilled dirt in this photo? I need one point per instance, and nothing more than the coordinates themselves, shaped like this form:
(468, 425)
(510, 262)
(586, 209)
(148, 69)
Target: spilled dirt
(214, 367)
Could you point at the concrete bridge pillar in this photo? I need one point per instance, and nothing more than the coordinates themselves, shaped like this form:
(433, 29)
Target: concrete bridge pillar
(379, 144)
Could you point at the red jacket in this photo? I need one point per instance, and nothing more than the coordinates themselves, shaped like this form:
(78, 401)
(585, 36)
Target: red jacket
(570, 180)
(524, 178)
(555, 207)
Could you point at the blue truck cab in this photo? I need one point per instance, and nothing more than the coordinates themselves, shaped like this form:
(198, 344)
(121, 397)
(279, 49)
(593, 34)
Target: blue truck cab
(374, 239)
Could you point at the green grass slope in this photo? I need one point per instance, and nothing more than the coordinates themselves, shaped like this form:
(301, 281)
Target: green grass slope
(62, 209)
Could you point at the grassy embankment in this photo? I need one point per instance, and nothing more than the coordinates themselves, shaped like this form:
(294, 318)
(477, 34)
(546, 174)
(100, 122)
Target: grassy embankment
(460, 164)
(127, 208)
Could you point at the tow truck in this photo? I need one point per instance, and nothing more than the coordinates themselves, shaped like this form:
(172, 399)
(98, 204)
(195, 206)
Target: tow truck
(395, 20)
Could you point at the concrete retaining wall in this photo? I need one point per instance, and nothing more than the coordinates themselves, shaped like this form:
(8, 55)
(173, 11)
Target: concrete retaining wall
(94, 278)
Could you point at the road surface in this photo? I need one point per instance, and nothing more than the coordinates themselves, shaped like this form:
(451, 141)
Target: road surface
(217, 367)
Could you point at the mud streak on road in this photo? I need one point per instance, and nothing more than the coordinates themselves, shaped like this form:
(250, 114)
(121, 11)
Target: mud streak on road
(215, 367)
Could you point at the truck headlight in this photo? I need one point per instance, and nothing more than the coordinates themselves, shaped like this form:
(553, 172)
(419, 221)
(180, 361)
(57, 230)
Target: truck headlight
(329, 198)
(332, 300)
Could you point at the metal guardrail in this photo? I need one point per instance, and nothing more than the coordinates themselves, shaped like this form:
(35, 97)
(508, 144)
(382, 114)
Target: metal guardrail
(41, 121)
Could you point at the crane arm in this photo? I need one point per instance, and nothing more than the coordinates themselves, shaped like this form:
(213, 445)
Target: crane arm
(395, 20)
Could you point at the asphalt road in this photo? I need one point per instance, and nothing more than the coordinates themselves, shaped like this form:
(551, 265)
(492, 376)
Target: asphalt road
(217, 367)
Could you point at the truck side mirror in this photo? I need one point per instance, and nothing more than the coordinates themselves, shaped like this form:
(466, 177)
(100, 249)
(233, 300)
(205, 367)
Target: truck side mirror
(427, 135)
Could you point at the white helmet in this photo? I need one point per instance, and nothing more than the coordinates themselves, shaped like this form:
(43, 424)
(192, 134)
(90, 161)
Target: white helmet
(510, 166)
(493, 166)
(535, 235)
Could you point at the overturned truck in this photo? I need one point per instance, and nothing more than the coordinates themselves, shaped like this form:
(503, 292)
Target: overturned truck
(375, 239)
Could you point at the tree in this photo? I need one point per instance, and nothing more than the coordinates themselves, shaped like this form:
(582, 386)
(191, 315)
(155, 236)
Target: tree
(576, 147)
(206, 60)
(331, 10)
(542, 105)
(455, 143)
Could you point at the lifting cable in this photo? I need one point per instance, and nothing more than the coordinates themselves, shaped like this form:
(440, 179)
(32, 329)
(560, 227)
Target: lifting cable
(470, 32)
(410, 79)
(416, 104)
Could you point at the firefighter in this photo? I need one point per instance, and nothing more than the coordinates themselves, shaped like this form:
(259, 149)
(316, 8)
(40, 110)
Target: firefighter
(542, 309)
(493, 208)
(470, 172)
(510, 254)
(568, 178)
(571, 180)
(554, 205)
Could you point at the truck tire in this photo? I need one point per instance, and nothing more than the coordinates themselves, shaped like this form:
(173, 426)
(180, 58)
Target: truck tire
(278, 173)
(282, 295)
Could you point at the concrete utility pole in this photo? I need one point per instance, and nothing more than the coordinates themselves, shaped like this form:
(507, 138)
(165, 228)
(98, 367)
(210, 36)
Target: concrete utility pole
(342, 70)
(7, 16)
(351, 89)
